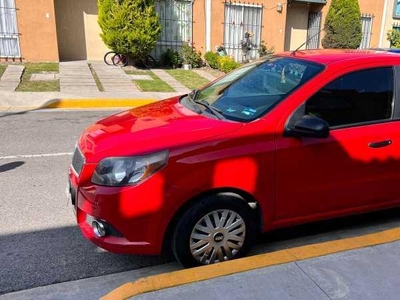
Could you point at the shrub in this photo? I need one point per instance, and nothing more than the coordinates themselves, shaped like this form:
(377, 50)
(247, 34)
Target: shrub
(263, 50)
(227, 64)
(343, 25)
(190, 56)
(393, 36)
(212, 59)
(171, 58)
(131, 27)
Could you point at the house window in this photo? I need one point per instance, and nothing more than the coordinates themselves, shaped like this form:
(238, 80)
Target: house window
(176, 17)
(242, 30)
(9, 37)
(366, 25)
(396, 9)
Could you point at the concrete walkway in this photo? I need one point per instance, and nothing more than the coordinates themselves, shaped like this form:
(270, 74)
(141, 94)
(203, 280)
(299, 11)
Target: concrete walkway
(113, 79)
(76, 76)
(11, 78)
(171, 81)
(205, 74)
(369, 273)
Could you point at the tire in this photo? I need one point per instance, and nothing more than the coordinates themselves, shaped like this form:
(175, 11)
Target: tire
(120, 60)
(108, 57)
(199, 239)
(149, 62)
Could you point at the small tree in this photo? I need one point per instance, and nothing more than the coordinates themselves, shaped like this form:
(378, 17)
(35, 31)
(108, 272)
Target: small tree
(343, 25)
(131, 27)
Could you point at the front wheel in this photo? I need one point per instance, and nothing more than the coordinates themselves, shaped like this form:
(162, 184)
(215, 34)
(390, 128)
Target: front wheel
(216, 229)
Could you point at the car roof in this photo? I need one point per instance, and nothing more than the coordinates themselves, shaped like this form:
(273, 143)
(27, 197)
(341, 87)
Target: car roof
(327, 56)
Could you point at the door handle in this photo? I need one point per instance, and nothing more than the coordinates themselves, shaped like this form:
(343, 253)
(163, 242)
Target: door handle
(380, 144)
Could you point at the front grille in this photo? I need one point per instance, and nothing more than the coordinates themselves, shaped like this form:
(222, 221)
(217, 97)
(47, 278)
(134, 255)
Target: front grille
(78, 161)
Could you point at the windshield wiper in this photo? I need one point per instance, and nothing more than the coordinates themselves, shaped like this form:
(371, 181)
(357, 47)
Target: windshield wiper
(215, 111)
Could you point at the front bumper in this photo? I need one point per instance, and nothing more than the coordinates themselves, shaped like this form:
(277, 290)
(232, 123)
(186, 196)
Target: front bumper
(139, 214)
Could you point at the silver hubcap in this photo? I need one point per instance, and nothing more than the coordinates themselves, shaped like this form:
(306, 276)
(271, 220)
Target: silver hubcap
(217, 237)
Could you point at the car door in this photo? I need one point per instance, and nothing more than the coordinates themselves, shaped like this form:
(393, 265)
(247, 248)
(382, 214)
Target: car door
(358, 166)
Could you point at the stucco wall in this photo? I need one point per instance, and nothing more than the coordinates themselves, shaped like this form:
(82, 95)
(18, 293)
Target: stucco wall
(199, 26)
(389, 21)
(78, 31)
(37, 28)
(274, 25)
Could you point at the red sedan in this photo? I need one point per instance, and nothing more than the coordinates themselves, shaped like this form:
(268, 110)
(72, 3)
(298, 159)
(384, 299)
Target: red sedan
(288, 139)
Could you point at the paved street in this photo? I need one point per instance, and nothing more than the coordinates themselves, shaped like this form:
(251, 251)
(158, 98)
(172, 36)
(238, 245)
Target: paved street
(40, 243)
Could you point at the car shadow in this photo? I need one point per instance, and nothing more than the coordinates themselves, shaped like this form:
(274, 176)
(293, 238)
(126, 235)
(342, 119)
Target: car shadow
(43, 257)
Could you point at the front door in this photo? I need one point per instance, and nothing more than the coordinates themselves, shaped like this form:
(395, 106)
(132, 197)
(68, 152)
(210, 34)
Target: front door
(357, 165)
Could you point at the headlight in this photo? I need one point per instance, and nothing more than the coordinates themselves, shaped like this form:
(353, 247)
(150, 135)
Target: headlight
(120, 171)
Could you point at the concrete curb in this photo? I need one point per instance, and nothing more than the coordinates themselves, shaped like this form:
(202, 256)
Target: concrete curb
(97, 103)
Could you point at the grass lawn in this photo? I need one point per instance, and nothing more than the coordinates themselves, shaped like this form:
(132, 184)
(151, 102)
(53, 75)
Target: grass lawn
(27, 85)
(2, 69)
(188, 78)
(155, 85)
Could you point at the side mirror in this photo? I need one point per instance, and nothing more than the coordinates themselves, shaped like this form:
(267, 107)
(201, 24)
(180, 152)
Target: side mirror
(309, 126)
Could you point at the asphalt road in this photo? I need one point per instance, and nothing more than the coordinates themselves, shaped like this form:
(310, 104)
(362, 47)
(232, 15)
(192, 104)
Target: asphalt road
(40, 243)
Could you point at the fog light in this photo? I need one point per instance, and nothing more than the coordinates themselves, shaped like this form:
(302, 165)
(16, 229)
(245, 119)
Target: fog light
(98, 228)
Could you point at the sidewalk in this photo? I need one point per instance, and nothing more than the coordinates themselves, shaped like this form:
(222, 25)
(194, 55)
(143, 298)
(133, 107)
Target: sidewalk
(78, 81)
(369, 273)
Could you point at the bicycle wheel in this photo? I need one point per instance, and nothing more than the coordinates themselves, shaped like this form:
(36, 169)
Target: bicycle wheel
(149, 62)
(108, 57)
(120, 60)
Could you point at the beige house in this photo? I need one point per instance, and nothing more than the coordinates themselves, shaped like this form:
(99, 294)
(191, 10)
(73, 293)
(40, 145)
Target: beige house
(53, 30)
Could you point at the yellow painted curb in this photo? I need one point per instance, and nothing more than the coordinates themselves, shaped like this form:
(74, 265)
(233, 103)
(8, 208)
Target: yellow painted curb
(97, 103)
(177, 278)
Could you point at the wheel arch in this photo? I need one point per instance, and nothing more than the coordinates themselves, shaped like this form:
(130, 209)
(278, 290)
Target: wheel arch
(235, 192)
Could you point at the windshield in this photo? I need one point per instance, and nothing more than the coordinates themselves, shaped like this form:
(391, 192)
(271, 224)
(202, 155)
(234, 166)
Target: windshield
(249, 92)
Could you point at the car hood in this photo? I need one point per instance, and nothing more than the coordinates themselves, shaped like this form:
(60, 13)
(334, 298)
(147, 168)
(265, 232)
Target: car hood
(158, 126)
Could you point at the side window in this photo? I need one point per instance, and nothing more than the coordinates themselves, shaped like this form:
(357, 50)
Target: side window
(358, 97)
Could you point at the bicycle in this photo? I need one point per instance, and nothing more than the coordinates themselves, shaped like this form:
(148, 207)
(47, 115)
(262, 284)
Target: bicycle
(121, 60)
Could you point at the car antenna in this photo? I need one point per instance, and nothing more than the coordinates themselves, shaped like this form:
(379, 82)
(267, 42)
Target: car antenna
(309, 39)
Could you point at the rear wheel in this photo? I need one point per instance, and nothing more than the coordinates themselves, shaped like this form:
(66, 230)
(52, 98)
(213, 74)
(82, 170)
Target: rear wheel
(108, 57)
(216, 229)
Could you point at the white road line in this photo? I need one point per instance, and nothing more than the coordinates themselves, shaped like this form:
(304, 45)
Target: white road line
(36, 155)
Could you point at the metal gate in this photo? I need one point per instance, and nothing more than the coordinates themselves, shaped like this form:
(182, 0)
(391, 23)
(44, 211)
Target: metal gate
(313, 30)
(176, 17)
(366, 22)
(242, 30)
(9, 36)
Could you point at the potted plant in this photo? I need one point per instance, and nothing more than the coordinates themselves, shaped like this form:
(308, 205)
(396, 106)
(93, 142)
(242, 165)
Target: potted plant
(190, 58)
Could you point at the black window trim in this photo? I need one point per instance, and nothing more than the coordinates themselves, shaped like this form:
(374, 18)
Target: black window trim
(395, 106)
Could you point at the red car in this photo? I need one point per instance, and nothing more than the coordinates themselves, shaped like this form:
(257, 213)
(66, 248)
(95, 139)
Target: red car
(288, 139)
